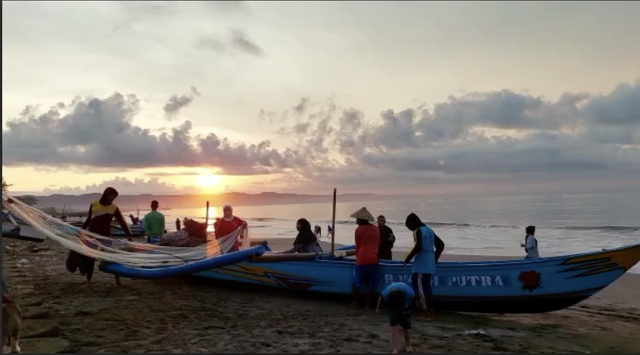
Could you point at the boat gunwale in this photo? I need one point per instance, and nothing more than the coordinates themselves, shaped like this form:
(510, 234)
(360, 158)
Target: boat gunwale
(523, 262)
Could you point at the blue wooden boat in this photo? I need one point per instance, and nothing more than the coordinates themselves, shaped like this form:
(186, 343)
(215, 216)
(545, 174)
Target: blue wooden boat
(514, 286)
(12, 230)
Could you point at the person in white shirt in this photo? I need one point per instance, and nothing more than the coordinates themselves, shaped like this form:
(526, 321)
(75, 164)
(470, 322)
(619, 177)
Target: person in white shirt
(531, 243)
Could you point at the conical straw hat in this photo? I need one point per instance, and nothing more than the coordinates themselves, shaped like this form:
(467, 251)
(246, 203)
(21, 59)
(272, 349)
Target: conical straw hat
(363, 213)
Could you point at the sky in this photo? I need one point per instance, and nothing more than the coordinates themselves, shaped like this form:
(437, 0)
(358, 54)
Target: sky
(368, 97)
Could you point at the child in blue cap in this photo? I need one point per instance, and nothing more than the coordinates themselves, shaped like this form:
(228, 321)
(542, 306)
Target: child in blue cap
(400, 299)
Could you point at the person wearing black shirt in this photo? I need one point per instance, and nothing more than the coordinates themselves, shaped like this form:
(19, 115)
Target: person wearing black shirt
(386, 239)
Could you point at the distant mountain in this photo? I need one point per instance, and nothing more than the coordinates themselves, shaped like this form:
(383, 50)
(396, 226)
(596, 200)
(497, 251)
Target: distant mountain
(81, 202)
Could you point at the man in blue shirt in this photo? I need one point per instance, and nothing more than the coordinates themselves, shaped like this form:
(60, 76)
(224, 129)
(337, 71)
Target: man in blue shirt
(400, 299)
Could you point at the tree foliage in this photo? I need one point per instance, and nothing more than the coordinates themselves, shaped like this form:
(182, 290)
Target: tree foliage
(5, 185)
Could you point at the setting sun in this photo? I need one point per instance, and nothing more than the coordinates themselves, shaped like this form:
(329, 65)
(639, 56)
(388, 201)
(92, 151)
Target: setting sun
(209, 181)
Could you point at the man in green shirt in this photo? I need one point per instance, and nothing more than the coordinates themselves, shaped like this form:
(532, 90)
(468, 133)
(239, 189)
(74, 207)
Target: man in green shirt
(154, 222)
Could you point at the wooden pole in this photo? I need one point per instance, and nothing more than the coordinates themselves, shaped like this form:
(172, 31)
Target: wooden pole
(206, 218)
(333, 224)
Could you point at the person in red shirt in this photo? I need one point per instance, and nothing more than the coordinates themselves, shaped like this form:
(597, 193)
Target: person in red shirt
(365, 272)
(229, 224)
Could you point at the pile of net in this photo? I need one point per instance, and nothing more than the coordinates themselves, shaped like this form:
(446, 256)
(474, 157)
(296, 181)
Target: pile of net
(120, 251)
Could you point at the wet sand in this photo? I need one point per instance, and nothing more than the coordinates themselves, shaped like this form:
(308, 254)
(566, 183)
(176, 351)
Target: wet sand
(187, 315)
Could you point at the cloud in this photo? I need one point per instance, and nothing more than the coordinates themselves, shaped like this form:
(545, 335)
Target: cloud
(240, 41)
(100, 133)
(226, 6)
(124, 186)
(620, 108)
(172, 173)
(177, 103)
(237, 42)
(477, 137)
(501, 137)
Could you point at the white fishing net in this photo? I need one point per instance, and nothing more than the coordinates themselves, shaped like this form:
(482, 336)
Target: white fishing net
(120, 251)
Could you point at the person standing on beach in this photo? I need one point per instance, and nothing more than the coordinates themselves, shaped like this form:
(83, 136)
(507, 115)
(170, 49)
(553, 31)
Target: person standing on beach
(98, 221)
(367, 239)
(400, 299)
(530, 243)
(229, 224)
(153, 222)
(386, 239)
(426, 253)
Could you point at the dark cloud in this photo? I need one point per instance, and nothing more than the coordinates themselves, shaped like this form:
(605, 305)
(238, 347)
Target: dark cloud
(489, 138)
(100, 133)
(241, 42)
(480, 134)
(238, 41)
(619, 108)
(302, 106)
(177, 103)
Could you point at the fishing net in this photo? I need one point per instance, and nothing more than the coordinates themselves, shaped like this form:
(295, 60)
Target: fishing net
(119, 251)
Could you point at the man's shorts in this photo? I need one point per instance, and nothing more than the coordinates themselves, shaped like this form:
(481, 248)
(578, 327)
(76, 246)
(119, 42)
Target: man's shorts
(401, 318)
(365, 275)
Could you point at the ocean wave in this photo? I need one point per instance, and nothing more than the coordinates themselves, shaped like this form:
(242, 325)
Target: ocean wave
(325, 223)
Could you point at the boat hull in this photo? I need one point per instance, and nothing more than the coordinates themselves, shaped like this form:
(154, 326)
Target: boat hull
(516, 286)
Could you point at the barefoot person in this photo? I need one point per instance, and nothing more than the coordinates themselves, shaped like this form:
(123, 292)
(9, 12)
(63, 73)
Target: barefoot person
(99, 218)
(531, 243)
(229, 224)
(154, 223)
(426, 254)
(400, 300)
(365, 272)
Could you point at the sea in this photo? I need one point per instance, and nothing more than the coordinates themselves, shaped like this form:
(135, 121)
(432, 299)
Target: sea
(493, 226)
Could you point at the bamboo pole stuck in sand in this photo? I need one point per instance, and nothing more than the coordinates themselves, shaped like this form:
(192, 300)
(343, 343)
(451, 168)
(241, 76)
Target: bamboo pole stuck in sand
(333, 224)
(206, 216)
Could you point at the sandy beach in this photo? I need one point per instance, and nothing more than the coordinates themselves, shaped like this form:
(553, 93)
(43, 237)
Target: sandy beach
(187, 315)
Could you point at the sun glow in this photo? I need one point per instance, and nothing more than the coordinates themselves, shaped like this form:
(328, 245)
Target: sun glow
(209, 182)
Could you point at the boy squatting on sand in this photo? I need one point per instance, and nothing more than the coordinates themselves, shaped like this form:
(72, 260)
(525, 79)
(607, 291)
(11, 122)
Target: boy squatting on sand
(400, 299)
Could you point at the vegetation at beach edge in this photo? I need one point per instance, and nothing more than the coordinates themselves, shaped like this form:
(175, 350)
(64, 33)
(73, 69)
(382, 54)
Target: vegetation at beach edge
(28, 199)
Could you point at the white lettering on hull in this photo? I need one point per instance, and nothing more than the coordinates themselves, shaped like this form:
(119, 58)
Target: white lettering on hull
(451, 281)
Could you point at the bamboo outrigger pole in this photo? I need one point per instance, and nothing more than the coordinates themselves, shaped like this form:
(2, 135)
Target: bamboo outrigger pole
(206, 218)
(333, 224)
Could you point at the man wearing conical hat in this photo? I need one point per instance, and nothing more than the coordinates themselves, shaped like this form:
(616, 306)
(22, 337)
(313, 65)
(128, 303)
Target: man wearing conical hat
(365, 272)
(363, 213)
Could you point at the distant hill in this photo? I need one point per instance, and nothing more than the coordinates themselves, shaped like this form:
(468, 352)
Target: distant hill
(81, 202)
